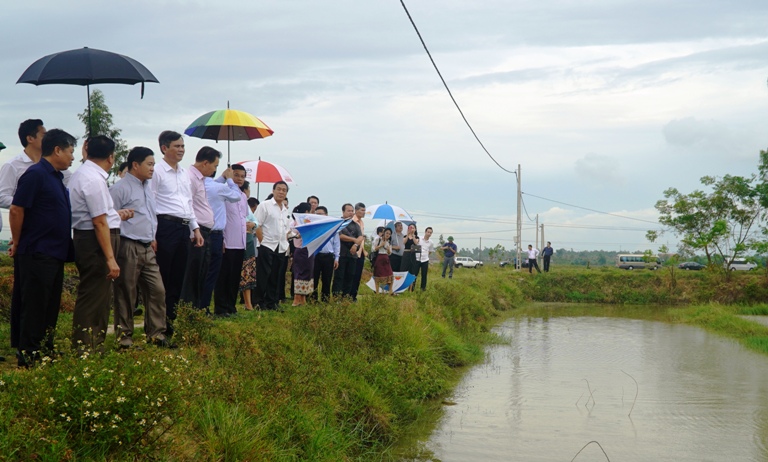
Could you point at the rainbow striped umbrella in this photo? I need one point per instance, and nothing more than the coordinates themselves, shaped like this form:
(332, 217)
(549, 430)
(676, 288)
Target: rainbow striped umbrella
(228, 124)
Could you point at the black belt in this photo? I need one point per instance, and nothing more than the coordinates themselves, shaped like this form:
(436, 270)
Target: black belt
(91, 231)
(217, 231)
(183, 221)
(145, 244)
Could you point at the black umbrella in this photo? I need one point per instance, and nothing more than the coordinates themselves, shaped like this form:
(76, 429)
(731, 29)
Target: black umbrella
(87, 66)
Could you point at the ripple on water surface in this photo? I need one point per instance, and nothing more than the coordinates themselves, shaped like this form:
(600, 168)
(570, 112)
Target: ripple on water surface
(559, 384)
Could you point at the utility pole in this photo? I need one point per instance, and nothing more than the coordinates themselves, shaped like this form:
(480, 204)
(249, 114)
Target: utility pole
(537, 230)
(519, 238)
(542, 236)
(481, 250)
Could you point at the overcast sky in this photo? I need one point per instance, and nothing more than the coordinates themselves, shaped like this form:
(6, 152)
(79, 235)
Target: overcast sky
(603, 103)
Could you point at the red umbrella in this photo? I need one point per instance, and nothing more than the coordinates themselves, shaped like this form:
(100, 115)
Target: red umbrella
(260, 171)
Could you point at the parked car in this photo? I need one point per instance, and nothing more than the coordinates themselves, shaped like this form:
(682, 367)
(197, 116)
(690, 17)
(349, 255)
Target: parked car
(467, 262)
(511, 263)
(691, 265)
(740, 265)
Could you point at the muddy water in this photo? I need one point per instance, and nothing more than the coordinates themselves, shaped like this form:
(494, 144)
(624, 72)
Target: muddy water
(558, 384)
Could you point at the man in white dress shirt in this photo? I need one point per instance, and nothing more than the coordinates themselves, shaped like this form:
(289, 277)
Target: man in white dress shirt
(427, 247)
(96, 237)
(176, 220)
(532, 254)
(273, 220)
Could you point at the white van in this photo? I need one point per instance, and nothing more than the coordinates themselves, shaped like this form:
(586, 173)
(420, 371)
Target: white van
(740, 265)
(630, 261)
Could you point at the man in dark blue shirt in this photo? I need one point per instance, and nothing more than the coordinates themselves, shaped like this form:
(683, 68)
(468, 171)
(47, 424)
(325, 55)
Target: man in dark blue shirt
(449, 252)
(40, 218)
(547, 253)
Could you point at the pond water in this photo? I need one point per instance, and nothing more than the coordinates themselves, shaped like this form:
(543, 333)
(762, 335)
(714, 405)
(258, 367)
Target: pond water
(562, 382)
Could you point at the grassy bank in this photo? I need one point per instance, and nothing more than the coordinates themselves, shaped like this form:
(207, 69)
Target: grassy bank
(324, 382)
(724, 320)
(711, 300)
(665, 286)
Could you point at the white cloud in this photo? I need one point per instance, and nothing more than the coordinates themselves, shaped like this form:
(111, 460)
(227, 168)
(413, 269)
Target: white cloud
(578, 93)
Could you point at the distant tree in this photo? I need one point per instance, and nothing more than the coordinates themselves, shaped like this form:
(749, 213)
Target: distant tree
(101, 124)
(719, 223)
(495, 252)
(601, 260)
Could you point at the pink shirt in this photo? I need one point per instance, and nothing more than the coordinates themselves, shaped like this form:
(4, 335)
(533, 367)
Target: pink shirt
(200, 205)
(234, 231)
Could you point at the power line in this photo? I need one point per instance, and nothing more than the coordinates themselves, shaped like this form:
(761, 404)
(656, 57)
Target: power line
(610, 228)
(460, 217)
(526, 210)
(592, 210)
(402, 2)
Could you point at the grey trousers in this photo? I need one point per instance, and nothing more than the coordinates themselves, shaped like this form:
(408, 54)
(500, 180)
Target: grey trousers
(94, 293)
(138, 270)
(448, 262)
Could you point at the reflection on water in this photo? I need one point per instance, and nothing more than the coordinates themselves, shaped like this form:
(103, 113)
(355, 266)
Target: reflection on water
(700, 397)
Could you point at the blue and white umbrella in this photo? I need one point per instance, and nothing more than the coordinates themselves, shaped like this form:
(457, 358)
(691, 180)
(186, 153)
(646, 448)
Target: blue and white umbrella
(388, 212)
(317, 230)
(401, 281)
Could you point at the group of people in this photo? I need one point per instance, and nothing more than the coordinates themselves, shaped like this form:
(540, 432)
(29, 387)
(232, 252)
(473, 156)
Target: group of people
(161, 233)
(533, 253)
(164, 234)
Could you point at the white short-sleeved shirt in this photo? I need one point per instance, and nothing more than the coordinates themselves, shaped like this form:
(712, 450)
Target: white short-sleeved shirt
(90, 198)
(427, 247)
(275, 222)
(173, 193)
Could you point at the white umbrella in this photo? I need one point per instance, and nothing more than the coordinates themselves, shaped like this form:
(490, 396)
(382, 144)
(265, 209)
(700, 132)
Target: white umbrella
(388, 212)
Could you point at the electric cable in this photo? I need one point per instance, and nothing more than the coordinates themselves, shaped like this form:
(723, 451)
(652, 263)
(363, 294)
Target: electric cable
(591, 210)
(402, 2)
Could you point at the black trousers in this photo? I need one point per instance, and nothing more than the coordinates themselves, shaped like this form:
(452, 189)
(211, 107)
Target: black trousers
(395, 261)
(172, 252)
(422, 267)
(344, 275)
(15, 306)
(214, 266)
(40, 284)
(197, 269)
(283, 272)
(228, 284)
(531, 263)
(359, 265)
(546, 263)
(323, 272)
(268, 281)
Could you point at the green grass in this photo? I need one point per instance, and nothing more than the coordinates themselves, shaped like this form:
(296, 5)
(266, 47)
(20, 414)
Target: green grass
(324, 382)
(665, 286)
